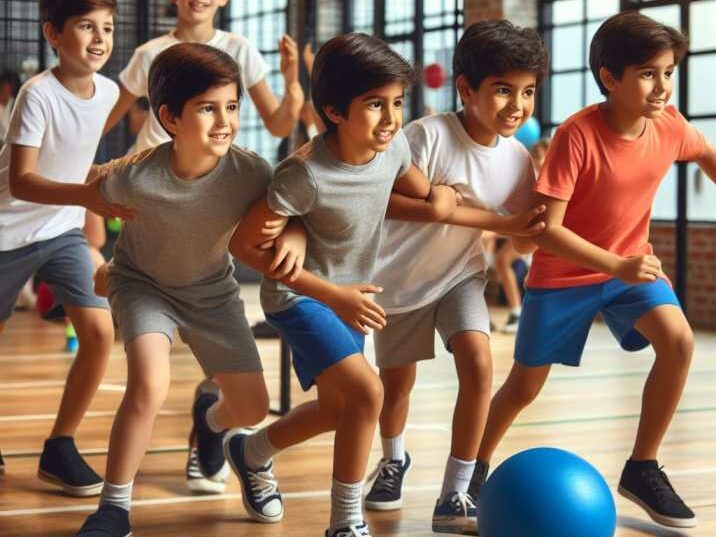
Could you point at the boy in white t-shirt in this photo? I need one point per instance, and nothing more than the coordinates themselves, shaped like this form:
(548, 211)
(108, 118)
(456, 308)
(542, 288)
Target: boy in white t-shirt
(195, 24)
(433, 275)
(54, 131)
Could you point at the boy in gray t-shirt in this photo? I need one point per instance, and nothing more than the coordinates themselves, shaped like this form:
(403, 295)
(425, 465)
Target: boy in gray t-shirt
(172, 268)
(339, 185)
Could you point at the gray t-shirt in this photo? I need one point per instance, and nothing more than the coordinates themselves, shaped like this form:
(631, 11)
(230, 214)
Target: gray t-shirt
(179, 237)
(342, 208)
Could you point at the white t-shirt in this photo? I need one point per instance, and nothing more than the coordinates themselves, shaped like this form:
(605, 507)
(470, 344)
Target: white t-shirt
(67, 130)
(135, 76)
(419, 262)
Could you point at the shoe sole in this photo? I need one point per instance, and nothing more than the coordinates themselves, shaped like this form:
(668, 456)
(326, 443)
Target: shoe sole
(388, 506)
(455, 525)
(656, 517)
(260, 517)
(507, 330)
(78, 492)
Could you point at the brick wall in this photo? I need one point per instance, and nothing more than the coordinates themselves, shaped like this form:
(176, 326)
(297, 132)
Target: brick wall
(520, 12)
(701, 279)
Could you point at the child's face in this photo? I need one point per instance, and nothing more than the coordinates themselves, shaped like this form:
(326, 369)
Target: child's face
(198, 11)
(374, 117)
(644, 90)
(501, 104)
(209, 121)
(85, 43)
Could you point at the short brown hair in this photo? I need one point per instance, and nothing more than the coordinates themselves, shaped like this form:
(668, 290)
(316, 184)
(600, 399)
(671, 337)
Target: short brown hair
(631, 38)
(351, 64)
(186, 70)
(57, 12)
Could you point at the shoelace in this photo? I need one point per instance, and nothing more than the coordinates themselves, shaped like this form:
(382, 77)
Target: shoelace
(263, 483)
(355, 531)
(660, 485)
(386, 472)
(192, 467)
(463, 501)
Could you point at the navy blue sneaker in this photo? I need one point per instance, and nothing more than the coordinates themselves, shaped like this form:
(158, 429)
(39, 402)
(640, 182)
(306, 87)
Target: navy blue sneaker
(646, 484)
(259, 488)
(455, 514)
(479, 476)
(386, 492)
(209, 447)
(354, 530)
(62, 465)
(107, 521)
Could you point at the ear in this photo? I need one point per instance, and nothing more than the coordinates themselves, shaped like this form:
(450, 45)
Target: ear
(463, 87)
(51, 34)
(168, 121)
(607, 78)
(334, 115)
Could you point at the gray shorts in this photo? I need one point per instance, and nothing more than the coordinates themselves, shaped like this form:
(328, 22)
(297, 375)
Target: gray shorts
(63, 263)
(410, 337)
(218, 333)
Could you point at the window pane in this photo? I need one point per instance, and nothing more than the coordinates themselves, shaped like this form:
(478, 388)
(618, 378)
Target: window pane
(701, 192)
(665, 201)
(566, 96)
(702, 78)
(567, 48)
(593, 93)
(702, 16)
(567, 11)
(438, 48)
(601, 9)
(665, 14)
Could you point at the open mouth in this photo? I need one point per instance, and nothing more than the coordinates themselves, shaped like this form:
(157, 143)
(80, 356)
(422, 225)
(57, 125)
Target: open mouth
(511, 121)
(95, 52)
(220, 136)
(198, 7)
(384, 136)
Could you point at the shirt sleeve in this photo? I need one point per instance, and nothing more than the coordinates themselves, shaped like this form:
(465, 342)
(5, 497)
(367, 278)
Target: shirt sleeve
(522, 197)
(28, 122)
(114, 187)
(134, 77)
(402, 147)
(293, 190)
(253, 66)
(692, 144)
(417, 138)
(562, 165)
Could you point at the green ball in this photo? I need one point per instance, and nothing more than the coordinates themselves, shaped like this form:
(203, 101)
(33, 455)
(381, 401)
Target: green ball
(114, 225)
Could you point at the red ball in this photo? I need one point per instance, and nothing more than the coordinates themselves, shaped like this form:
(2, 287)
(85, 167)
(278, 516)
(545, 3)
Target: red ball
(434, 75)
(45, 299)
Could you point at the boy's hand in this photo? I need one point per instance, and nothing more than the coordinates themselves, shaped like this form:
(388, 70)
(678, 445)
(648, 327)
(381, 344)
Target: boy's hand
(273, 228)
(100, 280)
(92, 199)
(521, 224)
(639, 269)
(351, 303)
(290, 253)
(308, 57)
(288, 50)
(443, 199)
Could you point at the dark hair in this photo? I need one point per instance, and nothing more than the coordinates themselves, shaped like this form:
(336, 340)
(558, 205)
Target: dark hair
(57, 12)
(492, 48)
(351, 64)
(186, 70)
(631, 38)
(12, 78)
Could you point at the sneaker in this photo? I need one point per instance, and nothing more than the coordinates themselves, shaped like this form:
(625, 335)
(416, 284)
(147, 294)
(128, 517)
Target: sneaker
(479, 476)
(198, 483)
(511, 325)
(385, 493)
(263, 330)
(259, 488)
(644, 483)
(209, 448)
(2, 464)
(354, 530)
(62, 465)
(107, 521)
(456, 514)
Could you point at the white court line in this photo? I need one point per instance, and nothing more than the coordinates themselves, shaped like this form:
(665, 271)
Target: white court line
(91, 414)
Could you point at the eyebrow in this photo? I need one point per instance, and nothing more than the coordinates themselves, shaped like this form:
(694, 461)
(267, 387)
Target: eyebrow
(111, 23)
(372, 97)
(641, 67)
(505, 83)
(231, 101)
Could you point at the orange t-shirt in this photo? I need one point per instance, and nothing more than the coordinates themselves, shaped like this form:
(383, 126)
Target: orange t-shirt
(610, 184)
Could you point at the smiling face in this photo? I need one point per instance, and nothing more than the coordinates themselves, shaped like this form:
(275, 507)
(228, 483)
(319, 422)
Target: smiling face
(195, 12)
(208, 122)
(84, 44)
(643, 90)
(500, 105)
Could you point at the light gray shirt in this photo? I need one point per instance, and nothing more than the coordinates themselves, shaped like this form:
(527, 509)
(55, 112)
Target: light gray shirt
(342, 208)
(179, 237)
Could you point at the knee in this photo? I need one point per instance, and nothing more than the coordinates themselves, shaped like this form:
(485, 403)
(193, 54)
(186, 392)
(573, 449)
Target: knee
(98, 333)
(475, 373)
(397, 388)
(146, 396)
(678, 348)
(365, 398)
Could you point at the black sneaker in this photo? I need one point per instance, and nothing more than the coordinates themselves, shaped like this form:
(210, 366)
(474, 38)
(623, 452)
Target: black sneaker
(210, 451)
(513, 321)
(479, 476)
(644, 483)
(198, 483)
(62, 465)
(456, 514)
(354, 530)
(259, 488)
(107, 521)
(386, 492)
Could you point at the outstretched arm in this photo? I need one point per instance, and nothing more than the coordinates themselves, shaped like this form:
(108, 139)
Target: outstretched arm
(124, 103)
(708, 161)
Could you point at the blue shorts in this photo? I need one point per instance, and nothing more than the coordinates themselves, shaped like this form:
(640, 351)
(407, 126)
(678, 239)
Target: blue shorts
(64, 263)
(317, 336)
(555, 322)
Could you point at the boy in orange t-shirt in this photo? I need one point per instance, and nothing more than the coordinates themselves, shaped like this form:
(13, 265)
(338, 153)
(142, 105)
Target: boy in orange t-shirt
(598, 182)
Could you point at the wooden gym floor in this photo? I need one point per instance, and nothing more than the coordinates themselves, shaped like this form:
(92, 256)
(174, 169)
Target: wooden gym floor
(591, 411)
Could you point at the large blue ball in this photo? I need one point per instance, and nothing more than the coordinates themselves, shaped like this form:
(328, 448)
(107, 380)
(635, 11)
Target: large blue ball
(546, 492)
(529, 133)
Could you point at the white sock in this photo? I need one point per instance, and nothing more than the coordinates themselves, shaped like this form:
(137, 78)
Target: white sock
(211, 419)
(394, 448)
(117, 495)
(258, 449)
(457, 476)
(517, 311)
(346, 504)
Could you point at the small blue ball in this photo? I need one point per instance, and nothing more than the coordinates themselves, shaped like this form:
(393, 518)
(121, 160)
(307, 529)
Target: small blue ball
(529, 133)
(546, 492)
